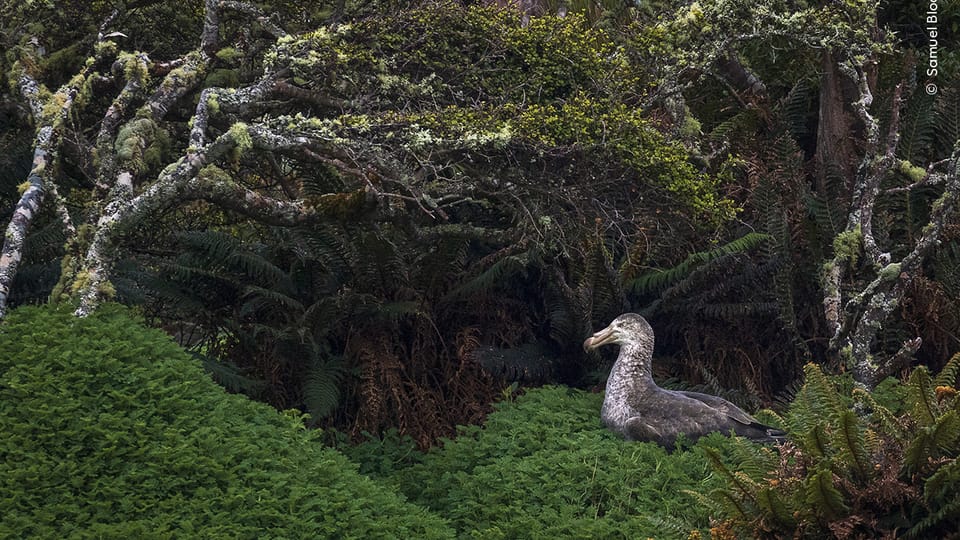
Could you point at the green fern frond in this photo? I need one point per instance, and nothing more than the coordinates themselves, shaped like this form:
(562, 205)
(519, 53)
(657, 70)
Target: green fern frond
(946, 433)
(770, 418)
(229, 376)
(735, 311)
(942, 485)
(259, 269)
(820, 395)
(746, 120)
(947, 121)
(743, 485)
(944, 519)
(321, 387)
(322, 314)
(796, 107)
(822, 494)
(212, 245)
(659, 279)
(850, 439)
(916, 127)
(920, 448)
(948, 375)
(922, 395)
(490, 278)
(946, 268)
(815, 442)
(772, 504)
(330, 249)
(670, 526)
(732, 504)
(258, 299)
(755, 461)
(880, 414)
(712, 502)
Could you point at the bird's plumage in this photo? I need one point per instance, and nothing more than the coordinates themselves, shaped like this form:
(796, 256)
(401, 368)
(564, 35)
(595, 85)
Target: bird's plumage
(639, 410)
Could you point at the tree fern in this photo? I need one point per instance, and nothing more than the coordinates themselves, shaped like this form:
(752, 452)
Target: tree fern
(230, 376)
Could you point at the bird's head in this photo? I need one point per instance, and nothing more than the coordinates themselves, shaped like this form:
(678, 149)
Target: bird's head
(626, 328)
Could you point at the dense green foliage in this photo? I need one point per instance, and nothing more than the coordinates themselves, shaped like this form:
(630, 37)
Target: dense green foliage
(542, 466)
(111, 431)
(465, 192)
(859, 465)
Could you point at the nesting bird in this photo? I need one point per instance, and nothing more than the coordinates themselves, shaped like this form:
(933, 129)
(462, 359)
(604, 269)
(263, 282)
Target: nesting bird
(639, 410)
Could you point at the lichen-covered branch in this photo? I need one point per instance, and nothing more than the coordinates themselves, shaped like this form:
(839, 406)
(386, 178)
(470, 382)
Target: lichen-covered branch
(46, 143)
(122, 213)
(214, 186)
(865, 313)
(23, 215)
(261, 18)
(856, 321)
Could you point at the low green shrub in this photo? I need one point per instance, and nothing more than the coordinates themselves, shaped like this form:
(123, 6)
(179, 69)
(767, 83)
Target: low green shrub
(542, 466)
(858, 464)
(109, 430)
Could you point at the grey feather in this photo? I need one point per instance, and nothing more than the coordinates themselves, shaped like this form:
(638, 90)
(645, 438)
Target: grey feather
(639, 410)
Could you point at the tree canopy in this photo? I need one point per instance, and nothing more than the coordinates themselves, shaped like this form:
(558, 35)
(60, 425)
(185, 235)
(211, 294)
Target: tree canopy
(382, 213)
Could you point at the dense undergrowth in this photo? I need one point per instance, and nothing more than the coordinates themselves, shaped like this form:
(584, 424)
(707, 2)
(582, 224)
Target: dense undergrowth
(543, 466)
(111, 431)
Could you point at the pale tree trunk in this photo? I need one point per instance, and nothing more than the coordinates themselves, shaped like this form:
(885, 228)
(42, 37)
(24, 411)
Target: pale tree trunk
(39, 179)
(855, 320)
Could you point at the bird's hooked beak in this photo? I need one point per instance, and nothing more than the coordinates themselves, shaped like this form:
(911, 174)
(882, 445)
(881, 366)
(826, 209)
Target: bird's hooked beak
(607, 335)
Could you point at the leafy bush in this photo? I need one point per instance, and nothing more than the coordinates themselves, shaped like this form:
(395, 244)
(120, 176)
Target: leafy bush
(111, 431)
(544, 467)
(858, 464)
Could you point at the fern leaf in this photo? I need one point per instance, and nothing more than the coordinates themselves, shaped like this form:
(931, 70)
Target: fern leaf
(815, 442)
(820, 395)
(796, 107)
(259, 299)
(770, 501)
(920, 448)
(851, 440)
(945, 518)
(879, 413)
(498, 272)
(732, 504)
(916, 127)
(740, 482)
(321, 388)
(660, 279)
(922, 396)
(230, 376)
(822, 494)
(948, 375)
(946, 432)
(942, 484)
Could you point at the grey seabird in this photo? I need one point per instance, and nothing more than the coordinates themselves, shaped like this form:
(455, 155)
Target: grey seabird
(639, 410)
